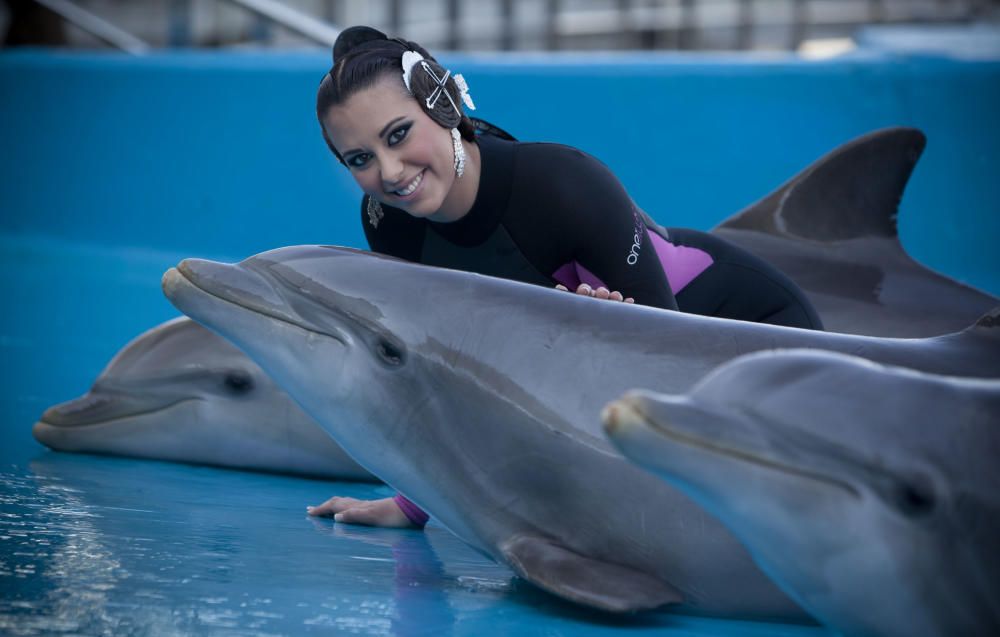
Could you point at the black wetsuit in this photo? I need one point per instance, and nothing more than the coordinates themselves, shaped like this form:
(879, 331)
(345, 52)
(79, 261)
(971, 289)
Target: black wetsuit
(548, 214)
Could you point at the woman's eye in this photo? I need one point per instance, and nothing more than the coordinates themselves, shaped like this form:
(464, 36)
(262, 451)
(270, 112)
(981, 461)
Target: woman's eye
(398, 135)
(359, 160)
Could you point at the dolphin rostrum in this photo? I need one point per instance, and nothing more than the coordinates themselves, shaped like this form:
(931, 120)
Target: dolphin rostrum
(870, 494)
(478, 398)
(180, 392)
(832, 230)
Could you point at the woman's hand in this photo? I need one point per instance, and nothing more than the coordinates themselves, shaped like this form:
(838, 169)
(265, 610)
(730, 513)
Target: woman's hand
(600, 293)
(384, 512)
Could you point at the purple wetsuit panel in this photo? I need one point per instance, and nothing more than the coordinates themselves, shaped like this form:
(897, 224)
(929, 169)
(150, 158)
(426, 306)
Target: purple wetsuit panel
(412, 512)
(572, 274)
(681, 264)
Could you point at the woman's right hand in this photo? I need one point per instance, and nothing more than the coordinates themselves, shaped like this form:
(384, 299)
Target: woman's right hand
(384, 512)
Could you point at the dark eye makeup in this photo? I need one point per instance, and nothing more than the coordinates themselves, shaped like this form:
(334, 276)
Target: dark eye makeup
(397, 136)
(358, 160)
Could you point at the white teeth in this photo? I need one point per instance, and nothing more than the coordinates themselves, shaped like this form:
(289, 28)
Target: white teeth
(413, 186)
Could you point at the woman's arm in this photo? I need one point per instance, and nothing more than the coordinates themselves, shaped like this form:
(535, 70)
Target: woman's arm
(584, 216)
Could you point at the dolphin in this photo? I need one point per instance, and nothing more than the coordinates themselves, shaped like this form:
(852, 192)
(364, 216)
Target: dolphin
(179, 392)
(478, 398)
(832, 230)
(871, 494)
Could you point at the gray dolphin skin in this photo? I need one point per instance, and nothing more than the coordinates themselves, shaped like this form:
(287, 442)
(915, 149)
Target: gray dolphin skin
(871, 494)
(179, 392)
(832, 230)
(478, 398)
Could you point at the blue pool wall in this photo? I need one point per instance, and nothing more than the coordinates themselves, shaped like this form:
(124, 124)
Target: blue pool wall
(219, 153)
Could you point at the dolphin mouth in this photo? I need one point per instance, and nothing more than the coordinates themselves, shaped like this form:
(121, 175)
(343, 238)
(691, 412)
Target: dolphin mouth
(635, 411)
(239, 287)
(100, 409)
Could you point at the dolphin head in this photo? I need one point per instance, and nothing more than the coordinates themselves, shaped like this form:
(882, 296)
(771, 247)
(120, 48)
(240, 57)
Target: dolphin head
(347, 333)
(868, 493)
(180, 392)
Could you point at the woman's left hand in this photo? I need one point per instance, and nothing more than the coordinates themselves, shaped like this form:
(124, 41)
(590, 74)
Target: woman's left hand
(600, 293)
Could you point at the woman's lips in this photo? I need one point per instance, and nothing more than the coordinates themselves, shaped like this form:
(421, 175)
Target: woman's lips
(411, 187)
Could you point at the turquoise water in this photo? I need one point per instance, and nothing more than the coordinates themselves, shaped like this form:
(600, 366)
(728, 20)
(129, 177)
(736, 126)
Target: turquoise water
(93, 545)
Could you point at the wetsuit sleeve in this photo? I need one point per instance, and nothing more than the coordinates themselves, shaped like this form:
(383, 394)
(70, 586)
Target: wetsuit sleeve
(592, 221)
(397, 233)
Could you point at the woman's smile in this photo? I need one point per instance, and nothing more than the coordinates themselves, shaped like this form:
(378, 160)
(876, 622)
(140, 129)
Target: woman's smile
(410, 189)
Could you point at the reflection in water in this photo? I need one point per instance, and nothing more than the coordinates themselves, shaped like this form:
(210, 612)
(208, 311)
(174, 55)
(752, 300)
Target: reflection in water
(92, 545)
(69, 573)
(419, 583)
(127, 547)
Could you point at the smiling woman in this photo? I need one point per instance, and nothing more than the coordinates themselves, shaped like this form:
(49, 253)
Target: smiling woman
(443, 189)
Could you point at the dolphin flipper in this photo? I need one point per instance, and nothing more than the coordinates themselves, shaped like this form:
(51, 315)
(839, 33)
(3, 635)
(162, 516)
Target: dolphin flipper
(851, 192)
(584, 580)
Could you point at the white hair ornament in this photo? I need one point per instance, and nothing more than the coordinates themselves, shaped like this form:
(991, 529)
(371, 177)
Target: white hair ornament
(463, 89)
(412, 58)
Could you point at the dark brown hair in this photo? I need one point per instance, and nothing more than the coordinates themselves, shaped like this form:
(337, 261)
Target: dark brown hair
(362, 56)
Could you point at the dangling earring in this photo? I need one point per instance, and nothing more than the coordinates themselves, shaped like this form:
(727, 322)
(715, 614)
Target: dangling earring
(456, 142)
(375, 213)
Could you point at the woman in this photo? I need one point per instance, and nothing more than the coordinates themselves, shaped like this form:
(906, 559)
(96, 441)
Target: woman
(442, 189)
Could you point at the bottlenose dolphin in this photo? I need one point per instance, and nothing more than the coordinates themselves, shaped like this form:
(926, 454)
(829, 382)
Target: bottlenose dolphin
(871, 494)
(479, 397)
(832, 230)
(179, 392)
(857, 282)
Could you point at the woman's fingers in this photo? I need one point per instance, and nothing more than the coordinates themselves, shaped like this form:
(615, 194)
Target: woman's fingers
(333, 505)
(600, 293)
(361, 514)
(383, 512)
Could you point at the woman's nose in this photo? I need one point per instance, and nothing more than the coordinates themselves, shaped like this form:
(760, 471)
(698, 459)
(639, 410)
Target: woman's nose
(392, 170)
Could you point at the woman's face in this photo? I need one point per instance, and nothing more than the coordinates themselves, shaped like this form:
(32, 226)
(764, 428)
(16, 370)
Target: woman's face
(395, 152)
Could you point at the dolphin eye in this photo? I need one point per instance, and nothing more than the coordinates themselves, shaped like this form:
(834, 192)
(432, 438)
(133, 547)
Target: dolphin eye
(390, 353)
(914, 500)
(238, 383)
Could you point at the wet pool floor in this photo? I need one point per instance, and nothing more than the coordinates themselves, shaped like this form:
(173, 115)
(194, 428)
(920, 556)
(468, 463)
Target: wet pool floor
(93, 545)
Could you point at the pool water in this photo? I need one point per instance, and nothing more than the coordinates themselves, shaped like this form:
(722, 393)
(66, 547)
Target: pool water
(93, 545)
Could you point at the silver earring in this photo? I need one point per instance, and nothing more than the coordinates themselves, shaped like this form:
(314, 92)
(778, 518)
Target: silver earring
(456, 141)
(375, 212)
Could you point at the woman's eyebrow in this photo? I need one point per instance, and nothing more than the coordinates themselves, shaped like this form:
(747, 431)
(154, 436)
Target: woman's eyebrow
(387, 126)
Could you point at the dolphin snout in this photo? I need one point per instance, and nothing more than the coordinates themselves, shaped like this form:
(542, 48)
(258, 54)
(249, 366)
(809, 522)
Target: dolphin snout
(231, 282)
(82, 410)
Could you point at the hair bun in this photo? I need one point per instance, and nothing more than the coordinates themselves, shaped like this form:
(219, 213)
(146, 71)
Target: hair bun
(352, 37)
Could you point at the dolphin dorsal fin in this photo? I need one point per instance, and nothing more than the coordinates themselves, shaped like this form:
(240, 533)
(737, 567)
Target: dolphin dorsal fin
(853, 191)
(585, 580)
